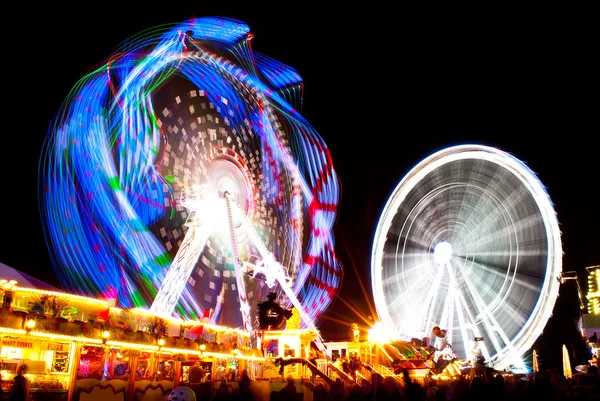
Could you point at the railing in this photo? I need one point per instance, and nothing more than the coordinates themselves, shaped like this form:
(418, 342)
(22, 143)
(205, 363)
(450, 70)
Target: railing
(316, 372)
(334, 372)
(324, 372)
(385, 371)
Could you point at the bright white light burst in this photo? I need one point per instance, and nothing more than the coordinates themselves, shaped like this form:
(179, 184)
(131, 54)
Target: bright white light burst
(442, 253)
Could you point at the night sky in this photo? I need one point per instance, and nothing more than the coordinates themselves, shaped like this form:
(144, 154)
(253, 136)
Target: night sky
(384, 86)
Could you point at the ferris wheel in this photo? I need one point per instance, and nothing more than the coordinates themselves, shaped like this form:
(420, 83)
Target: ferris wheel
(180, 177)
(469, 242)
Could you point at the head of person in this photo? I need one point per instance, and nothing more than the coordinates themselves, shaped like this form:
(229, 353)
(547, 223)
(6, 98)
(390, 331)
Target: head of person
(439, 332)
(182, 393)
(22, 369)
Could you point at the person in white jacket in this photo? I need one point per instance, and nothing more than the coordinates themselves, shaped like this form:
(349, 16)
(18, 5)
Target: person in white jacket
(444, 353)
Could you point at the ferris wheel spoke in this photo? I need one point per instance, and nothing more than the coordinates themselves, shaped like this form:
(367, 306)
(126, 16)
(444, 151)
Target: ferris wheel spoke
(499, 270)
(475, 190)
(469, 326)
(495, 203)
(239, 278)
(476, 292)
(486, 228)
(467, 329)
(522, 218)
(413, 243)
(409, 254)
(495, 290)
(494, 332)
(493, 235)
(470, 197)
(508, 291)
(518, 228)
(519, 277)
(418, 283)
(424, 313)
(478, 214)
(481, 315)
(506, 304)
(418, 260)
(513, 308)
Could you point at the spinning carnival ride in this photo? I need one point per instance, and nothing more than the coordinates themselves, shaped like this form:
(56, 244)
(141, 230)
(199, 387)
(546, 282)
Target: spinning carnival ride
(178, 176)
(469, 241)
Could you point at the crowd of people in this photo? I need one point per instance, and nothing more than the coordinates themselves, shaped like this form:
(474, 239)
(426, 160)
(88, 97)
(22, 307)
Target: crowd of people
(350, 382)
(491, 385)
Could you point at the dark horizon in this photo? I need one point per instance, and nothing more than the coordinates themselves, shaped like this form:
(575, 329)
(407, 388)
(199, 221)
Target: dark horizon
(384, 88)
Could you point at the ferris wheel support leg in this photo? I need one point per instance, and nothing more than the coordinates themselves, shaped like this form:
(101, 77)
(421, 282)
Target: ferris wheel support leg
(179, 271)
(239, 278)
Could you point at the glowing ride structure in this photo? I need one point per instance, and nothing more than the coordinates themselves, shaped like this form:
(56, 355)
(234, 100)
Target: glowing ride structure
(179, 176)
(469, 241)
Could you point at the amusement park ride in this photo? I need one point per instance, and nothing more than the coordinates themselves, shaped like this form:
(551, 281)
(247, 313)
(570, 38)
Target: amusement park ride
(202, 203)
(180, 177)
(469, 241)
(199, 186)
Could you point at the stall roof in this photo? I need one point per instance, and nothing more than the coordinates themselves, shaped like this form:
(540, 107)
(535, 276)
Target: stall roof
(23, 279)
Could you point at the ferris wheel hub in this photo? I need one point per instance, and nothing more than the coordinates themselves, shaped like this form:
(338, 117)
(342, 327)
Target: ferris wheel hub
(442, 252)
(226, 178)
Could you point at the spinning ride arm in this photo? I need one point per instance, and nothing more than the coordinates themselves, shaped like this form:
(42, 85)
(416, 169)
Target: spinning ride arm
(179, 272)
(187, 256)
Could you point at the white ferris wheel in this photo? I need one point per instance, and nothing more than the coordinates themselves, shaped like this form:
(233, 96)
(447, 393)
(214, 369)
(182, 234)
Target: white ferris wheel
(469, 241)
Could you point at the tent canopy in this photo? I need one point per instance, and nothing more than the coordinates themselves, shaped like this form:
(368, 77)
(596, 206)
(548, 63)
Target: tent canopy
(23, 280)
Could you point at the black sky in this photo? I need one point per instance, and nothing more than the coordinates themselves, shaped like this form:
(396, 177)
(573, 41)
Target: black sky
(385, 86)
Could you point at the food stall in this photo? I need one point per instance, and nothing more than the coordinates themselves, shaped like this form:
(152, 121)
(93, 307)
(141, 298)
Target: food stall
(80, 348)
(48, 362)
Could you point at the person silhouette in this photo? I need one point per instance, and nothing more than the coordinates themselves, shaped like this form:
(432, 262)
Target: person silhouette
(21, 385)
(288, 392)
(245, 382)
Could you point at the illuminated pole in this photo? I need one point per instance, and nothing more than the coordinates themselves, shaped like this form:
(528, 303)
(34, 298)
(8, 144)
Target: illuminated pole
(106, 354)
(213, 375)
(566, 363)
